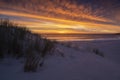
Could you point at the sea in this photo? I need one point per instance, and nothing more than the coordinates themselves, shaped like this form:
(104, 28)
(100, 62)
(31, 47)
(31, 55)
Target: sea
(81, 37)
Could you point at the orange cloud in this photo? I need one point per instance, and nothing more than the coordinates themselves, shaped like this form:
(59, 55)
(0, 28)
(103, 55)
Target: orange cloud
(56, 25)
(63, 9)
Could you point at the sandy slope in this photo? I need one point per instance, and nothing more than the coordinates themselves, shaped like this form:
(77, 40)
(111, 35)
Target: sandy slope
(110, 48)
(77, 64)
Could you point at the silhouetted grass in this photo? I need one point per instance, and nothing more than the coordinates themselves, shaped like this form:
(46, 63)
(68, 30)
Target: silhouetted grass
(11, 38)
(18, 41)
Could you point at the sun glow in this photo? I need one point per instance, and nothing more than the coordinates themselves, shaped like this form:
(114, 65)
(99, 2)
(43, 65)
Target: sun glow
(42, 24)
(62, 32)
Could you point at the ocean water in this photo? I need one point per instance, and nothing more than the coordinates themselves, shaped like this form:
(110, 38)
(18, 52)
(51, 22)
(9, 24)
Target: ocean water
(81, 37)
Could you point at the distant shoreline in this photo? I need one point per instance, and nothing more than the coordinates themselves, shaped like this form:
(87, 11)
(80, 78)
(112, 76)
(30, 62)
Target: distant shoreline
(81, 37)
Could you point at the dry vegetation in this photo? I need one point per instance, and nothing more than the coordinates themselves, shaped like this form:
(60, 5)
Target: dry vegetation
(17, 41)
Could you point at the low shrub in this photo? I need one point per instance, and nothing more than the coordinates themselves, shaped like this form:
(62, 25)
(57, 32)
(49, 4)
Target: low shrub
(98, 52)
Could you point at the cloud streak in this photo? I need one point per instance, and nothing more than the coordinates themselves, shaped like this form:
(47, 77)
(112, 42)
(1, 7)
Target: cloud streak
(65, 9)
(70, 15)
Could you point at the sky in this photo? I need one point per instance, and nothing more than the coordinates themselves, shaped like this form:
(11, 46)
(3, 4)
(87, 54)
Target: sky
(64, 16)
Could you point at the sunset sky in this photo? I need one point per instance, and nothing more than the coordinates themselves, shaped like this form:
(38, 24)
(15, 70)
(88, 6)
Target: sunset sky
(64, 16)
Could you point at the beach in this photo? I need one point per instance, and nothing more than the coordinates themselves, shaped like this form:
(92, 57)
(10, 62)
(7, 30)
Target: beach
(76, 61)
